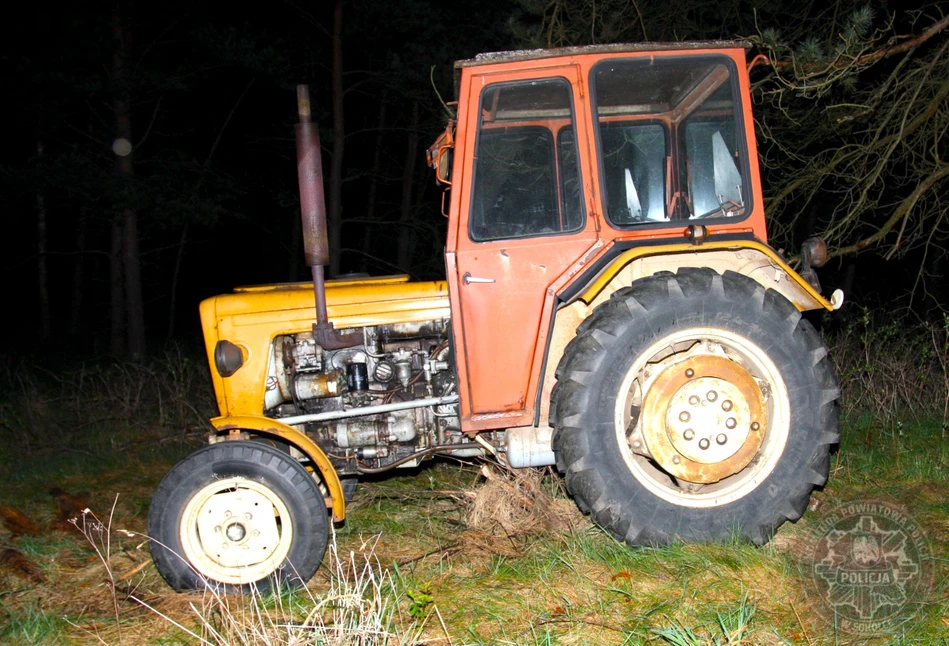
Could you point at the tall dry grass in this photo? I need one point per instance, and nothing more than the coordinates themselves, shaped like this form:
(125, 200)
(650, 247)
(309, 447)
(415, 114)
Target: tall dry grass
(44, 407)
(889, 368)
(353, 602)
(892, 369)
(360, 606)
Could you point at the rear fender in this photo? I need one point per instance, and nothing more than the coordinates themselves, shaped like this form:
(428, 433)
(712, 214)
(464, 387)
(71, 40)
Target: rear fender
(747, 257)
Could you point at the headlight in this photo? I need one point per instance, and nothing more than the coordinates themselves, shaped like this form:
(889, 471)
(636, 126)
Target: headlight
(814, 252)
(228, 358)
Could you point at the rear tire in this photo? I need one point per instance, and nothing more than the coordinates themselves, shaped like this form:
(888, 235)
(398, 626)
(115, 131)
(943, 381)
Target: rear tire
(237, 514)
(694, 406)
(349, 485)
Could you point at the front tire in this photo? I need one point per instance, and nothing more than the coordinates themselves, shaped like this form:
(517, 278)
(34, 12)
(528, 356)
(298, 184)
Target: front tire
(237, 514)
(696, 406)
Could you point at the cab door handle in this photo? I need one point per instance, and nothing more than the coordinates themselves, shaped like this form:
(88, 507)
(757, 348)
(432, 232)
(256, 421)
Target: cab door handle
(468, 279)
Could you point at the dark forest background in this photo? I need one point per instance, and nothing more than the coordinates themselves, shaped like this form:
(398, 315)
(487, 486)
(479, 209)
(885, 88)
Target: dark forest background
(107, 253)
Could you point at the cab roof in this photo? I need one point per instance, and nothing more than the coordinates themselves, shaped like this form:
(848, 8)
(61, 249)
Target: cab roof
(621, 48)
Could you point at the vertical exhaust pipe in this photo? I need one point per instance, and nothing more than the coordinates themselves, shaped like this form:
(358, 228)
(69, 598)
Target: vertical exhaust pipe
(313, 214)
(312, 203)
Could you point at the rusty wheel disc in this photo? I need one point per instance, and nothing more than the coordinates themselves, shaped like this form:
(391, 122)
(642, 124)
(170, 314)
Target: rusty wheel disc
(700, 418)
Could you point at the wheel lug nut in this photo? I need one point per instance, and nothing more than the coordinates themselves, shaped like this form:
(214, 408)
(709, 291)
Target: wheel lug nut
(676, 459)
(727, 405)
(248, 516)
(227, 514)
(755, 426)
(690, 373)
(689, 434)
(703, 443)
(694, 400)
(712, 395)
(684, 416)
(217, 528)
(722, 438)
(730, 423)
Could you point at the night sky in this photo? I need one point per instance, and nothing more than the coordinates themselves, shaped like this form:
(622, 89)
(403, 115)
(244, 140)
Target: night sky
(212, 107)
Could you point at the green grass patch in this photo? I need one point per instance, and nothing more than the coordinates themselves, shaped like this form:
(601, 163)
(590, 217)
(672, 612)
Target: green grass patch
(409, 557)
(577, 586)
(29, 623)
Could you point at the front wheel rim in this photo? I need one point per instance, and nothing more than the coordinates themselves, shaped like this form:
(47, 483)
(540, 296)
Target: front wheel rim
(681, 375)
(236, 531)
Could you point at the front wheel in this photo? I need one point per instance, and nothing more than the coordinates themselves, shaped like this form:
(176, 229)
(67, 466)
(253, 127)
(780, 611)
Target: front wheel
(695, 406)
(236, 514)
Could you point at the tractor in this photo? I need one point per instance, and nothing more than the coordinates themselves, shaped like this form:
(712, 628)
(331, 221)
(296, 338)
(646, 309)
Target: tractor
(611, 306)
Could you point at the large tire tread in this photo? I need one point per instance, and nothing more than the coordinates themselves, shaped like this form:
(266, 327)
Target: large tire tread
(625, 316)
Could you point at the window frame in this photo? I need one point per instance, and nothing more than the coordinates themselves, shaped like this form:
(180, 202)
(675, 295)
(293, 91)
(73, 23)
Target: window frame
(558, 151)
(559, 189)
(675, 145)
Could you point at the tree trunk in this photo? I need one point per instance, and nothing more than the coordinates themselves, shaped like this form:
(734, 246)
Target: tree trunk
(117, 343)
(42, 268)
(369, 227)
(131, 261)
(406, 226)
(173, 298)
(75, 303)
(134, 308)
(339, 135)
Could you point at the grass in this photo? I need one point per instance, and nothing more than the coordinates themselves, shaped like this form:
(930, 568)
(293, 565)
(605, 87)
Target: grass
(413, 563)
(584, 587)
(30, 624)
(431, 569)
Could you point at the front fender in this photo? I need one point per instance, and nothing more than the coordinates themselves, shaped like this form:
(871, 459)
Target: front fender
(272, 427)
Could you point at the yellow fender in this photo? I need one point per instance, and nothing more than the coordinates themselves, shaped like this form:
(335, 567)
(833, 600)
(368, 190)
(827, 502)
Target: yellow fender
(749, 257)
(267, 426)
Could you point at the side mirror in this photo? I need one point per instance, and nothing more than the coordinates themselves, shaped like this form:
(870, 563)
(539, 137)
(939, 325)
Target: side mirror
(443, 160)
(441, 153)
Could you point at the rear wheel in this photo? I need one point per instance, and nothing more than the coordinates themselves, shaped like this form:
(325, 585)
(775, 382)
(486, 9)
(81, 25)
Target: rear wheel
(236, 514)
(694, 406)
(349, 485)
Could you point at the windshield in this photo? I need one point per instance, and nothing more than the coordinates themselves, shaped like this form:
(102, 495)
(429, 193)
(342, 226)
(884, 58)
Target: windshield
(669, 139)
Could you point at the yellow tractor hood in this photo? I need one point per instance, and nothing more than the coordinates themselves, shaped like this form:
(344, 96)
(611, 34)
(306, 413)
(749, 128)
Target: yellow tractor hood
(349, 302)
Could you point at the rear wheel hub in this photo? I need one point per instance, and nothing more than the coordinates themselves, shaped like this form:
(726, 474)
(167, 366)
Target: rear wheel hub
(703, 419)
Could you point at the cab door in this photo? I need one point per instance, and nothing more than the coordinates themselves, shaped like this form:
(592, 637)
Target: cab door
(524, 224)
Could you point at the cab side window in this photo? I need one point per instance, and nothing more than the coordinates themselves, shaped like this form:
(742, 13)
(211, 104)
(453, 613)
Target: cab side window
(526, 172)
